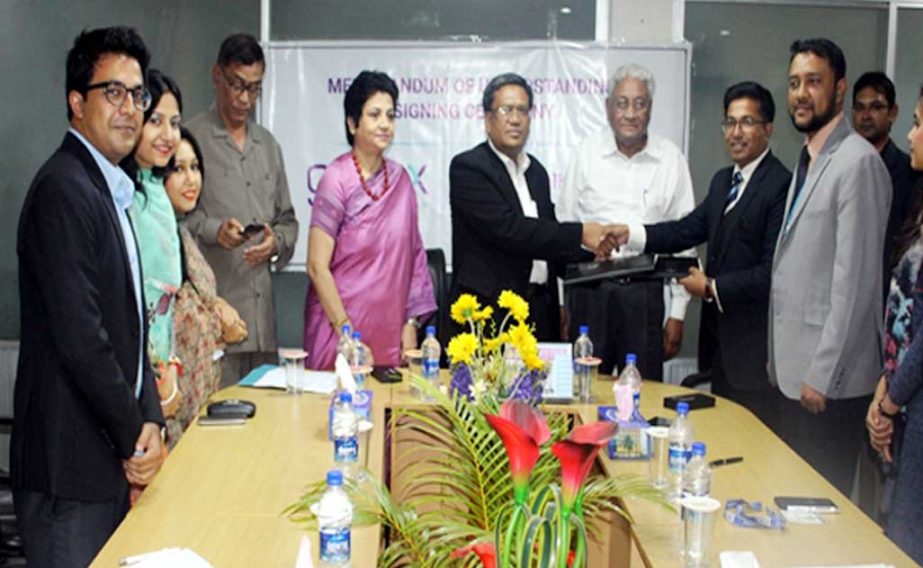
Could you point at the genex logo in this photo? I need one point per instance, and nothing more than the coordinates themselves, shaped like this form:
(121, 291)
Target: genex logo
(316, 172)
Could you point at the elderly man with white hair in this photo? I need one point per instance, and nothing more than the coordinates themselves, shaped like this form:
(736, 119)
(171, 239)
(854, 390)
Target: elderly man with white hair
(624, 173)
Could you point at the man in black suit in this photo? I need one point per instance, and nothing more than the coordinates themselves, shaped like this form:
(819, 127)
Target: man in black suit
(504, 231)
(740, 219)
(87, 419)
(874, 110)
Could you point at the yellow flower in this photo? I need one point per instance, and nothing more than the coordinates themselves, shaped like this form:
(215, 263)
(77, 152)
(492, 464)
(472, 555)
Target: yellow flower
(462, 347)
(484, 314)
(533, 362)
(515, 304)
(465, 307)
(522, 339)
(493, 343)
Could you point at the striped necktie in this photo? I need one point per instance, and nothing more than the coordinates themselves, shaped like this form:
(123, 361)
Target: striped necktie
(736, 182)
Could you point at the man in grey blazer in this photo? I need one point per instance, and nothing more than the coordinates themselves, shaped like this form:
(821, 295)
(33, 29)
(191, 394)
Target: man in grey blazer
(825, 303)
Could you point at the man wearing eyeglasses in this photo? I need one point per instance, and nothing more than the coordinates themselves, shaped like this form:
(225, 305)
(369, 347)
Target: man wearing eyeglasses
(244, 218)
(504, 232)
(740, 220)
(624, 173)
(87, 419)
(874, 110)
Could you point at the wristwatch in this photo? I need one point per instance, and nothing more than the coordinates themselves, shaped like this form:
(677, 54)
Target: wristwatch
(414, 322)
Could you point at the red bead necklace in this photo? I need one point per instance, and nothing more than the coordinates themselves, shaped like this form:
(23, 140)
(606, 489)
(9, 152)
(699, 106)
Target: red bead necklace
(365, 186)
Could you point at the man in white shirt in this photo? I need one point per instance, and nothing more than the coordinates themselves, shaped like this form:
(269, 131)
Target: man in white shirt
(504, 232)
(625, 173)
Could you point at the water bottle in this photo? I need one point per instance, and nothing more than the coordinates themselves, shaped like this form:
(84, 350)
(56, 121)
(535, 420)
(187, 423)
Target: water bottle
(345, 433)
(429, 353)
(345, 344)
(631, 377)
(334, 516)
(681, 437)
(583, 349)
(697, 477)
(359, 358)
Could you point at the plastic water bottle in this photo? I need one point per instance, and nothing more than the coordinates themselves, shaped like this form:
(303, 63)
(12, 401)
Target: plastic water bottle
(429, 353)
(583, 349)
(697, 477)
(681, 437)
(358, 358)
(345, 433)
(335, 517)
(631, 376)
(345, 344)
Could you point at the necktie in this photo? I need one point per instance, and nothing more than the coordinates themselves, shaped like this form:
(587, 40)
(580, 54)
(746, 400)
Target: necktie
(804, 160)
(736, 182)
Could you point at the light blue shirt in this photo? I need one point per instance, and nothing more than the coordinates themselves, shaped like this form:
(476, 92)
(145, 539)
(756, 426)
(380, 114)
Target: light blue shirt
(122, 189)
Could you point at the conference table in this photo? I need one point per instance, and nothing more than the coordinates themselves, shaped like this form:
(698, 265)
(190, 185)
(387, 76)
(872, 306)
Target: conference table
(222, 490)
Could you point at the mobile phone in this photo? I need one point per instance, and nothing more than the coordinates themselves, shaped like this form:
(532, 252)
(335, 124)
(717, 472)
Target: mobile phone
(251, 230)
(221, 421)
(660, 421)
(806, 504)
(695, 400)
(387, 374)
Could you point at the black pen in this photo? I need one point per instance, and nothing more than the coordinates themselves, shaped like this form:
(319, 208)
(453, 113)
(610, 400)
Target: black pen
(725, 461)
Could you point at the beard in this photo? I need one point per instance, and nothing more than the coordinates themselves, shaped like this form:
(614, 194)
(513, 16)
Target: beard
(818, 121)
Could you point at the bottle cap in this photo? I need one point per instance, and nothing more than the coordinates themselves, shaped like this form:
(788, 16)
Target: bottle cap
(334, 477)
(431, 330)
(345, 397)
(698, 448)
(356, 335)
(682, 408)
(584, 329)
(631, 359)
(344, 328)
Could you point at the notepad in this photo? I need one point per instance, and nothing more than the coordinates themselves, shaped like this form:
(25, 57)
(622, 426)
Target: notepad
(273, 377)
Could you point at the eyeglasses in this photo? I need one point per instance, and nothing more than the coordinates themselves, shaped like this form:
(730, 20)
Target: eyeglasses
(876, 106)
(238, 86)
(508, 110)
(746, 123)
(640, 104)
(116, 91)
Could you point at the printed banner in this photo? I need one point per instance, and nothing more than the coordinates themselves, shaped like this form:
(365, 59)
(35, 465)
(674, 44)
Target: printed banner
(439, 111)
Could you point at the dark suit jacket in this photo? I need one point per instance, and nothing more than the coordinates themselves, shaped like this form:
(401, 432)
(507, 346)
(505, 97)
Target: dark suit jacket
(740, 251)
(903, 182)
(493, 243)
(75, 412)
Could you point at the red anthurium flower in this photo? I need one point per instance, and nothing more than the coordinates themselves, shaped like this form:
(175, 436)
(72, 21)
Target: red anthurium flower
(523, 429)
(577, 453)
(485, 551)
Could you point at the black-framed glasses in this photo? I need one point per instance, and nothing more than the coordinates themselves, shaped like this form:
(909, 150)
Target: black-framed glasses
(746, 123)
(116, 91)
(238, 86)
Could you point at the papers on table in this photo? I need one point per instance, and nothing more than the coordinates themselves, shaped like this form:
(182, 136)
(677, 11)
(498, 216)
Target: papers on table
(559, 385)
(166, 557)
(273, 377)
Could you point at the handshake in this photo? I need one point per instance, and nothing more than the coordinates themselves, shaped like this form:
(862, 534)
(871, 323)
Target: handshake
(603, 239)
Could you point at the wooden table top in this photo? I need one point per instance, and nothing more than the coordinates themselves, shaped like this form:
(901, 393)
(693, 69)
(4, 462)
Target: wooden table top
(222, 490)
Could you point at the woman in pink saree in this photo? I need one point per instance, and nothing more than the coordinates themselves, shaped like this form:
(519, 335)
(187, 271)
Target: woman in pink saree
(366, 259)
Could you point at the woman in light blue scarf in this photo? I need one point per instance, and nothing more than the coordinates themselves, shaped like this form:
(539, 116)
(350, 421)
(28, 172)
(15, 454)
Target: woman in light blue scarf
(155, 228)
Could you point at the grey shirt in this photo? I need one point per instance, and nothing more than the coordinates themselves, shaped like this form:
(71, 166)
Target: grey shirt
(249, 185)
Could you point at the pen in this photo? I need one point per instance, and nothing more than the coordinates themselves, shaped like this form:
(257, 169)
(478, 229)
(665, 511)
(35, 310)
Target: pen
(725, 461)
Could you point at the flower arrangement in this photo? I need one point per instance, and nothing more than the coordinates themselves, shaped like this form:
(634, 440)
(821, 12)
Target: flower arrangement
(500, 359)
(458, 498)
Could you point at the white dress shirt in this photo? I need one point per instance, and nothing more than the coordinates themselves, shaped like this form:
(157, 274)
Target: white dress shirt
(604, 185)
(517, 172)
